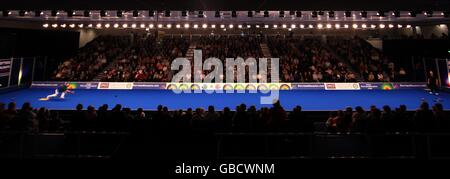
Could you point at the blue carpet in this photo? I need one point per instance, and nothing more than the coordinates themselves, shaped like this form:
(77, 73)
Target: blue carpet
(312, 100)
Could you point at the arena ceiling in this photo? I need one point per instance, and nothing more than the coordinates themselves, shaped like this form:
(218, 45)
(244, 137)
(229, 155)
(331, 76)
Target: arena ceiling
(226, 4)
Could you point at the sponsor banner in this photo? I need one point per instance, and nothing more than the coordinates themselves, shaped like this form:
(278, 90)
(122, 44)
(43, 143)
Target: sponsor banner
(232, 86)
(144, 85)
(115, 85)
(392, 86)
(229, 86)
(342, 86)
(72, 85)
(307, 86)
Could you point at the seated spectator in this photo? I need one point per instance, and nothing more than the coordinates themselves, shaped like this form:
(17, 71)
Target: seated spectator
(442, 120)
(26, 119)
(423, 118)
(359, 120)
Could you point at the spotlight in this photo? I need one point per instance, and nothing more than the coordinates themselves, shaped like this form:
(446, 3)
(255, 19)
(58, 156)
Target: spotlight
(363, 14)
(310, 26)
(167, 13)
(240, 26)
(364, 26)
(72, 25)
(412, 14)
(63, 25)
(373, 26)
(293, 26)
(284, 26)
(266, 13)
(54, 25)
(195, 26)
(213, 26)
(355, 26)
(331, 14)
(102, 13)
(275, 26)
(160, 25)
(382, 26)
(337, 26)
(99, 25)
(396, 13)
(200, 14)
(348, 14)
(266, 26)
(399, 26)
(446, 13)
(408, 26)
(319, 26)
(178, 26)
(257, 26)
(217, 14)
(135, 13)
(281, 13)
(302, 26)
(5, 13)
(151, 26)
(133, 26)
(381, 14)
(233, 14)
(90, 25)
(250, 14)
(205, 26)
(429, 13)
(314, 14)
(80, 25)
(298, 13)
(142, 26)
(230, 26)
(222, 26)
(183, 13)
(391, 26)
(21, 13)
(54, 13)
(249, 26)
(86, 13)
(116, 26)
(45, 25)
(119, 14)
(186, 26)
(124, 25)
(107, 25)
(151, 13)
(346, 26)
(328, 26)
(169, 26)
(70, 13)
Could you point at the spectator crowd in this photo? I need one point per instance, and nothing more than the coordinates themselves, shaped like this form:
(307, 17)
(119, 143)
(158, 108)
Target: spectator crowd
(241, 119)
(146, 58)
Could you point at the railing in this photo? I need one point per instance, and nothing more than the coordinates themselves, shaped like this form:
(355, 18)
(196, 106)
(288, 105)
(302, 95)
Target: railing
(331, 145)
(106, 145)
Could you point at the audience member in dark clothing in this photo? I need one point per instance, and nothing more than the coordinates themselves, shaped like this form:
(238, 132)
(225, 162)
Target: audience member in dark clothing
(26, 119)
(423, 119)
(441, 119)
(387, 118)
(359, 120)
(78, 118)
